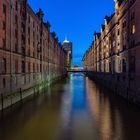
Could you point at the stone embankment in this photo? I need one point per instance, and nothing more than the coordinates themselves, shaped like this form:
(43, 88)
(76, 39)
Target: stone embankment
(127, 86)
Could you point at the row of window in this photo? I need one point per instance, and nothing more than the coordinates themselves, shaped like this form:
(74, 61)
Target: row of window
(113, 67)
(4, 63)
(4, 82)
(29, 21)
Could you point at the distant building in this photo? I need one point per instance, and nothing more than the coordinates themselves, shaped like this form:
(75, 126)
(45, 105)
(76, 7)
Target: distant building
(67, 46)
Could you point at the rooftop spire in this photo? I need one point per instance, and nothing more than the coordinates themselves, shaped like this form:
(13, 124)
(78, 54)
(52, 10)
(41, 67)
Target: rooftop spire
(66, 40)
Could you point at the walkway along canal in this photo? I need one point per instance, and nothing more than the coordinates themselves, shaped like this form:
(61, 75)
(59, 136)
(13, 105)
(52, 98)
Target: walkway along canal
(73, 109)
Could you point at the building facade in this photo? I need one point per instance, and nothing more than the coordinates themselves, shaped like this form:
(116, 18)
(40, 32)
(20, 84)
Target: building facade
(114, 53)
(29, 55)
(67, 46)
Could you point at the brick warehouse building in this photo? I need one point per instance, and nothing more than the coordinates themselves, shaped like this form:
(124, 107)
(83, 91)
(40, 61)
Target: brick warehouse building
(30, 55)
(114, 55)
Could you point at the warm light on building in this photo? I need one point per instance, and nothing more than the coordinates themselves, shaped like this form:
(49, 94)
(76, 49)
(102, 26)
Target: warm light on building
(133, 29)
(116, 49)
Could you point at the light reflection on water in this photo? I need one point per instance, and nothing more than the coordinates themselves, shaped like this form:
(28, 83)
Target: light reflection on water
(73, 109)
(110, 127)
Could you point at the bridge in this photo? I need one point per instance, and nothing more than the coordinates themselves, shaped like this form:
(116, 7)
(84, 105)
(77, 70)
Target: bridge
(76, 71)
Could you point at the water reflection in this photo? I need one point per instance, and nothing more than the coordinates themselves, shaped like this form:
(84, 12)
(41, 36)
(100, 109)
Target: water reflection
(107, 118)
(73, 109)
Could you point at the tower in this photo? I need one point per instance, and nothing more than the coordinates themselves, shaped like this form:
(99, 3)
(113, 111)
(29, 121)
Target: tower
(67, 46)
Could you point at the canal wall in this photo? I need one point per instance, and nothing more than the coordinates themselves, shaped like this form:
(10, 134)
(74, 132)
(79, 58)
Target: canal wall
(9, 100)
(127, 86)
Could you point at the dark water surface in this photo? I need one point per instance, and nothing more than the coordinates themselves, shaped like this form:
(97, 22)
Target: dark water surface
(72, 109)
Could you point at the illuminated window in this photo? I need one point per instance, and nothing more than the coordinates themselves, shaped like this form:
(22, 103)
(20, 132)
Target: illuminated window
(114, 44)
(133, 29)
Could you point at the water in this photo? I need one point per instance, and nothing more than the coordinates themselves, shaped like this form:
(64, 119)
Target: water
(73, 109)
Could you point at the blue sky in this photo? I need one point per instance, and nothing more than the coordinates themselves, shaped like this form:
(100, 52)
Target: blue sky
(76, 19)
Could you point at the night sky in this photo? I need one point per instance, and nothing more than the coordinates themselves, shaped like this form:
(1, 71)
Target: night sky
(76, 19)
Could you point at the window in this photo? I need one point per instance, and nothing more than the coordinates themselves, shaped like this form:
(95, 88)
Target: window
(23, 40)
(40, 67)
(29, 41)
(4, 65)
(132, 66)
(4, 43)
(133, 43)
(16, 6)
(34, 77)
(16, 66)
(23, 27)
(33, 24)
(114, 44)
(29, 51)
(124, 24)
(4, 8)
(16, 33)
(29, 67)
(33, 44)
(4, 83)
(118, 32)
(124, 65)
(23, 66)
(4, 25)
(133, 15)
(29, 19)
(16, 47)
(133, 29)
(16, 19)
(33, 53)
(29, 31)
(33, 67)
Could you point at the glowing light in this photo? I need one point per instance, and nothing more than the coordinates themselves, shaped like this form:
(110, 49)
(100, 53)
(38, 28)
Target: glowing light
(133, 29)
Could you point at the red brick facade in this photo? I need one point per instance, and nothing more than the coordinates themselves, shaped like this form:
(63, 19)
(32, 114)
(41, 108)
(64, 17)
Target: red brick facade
(29, 54)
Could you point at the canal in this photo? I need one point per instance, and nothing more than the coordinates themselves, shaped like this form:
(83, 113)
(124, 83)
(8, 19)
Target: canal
(73, 109)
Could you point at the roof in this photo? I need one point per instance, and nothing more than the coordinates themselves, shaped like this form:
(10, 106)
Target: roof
(66, 41)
